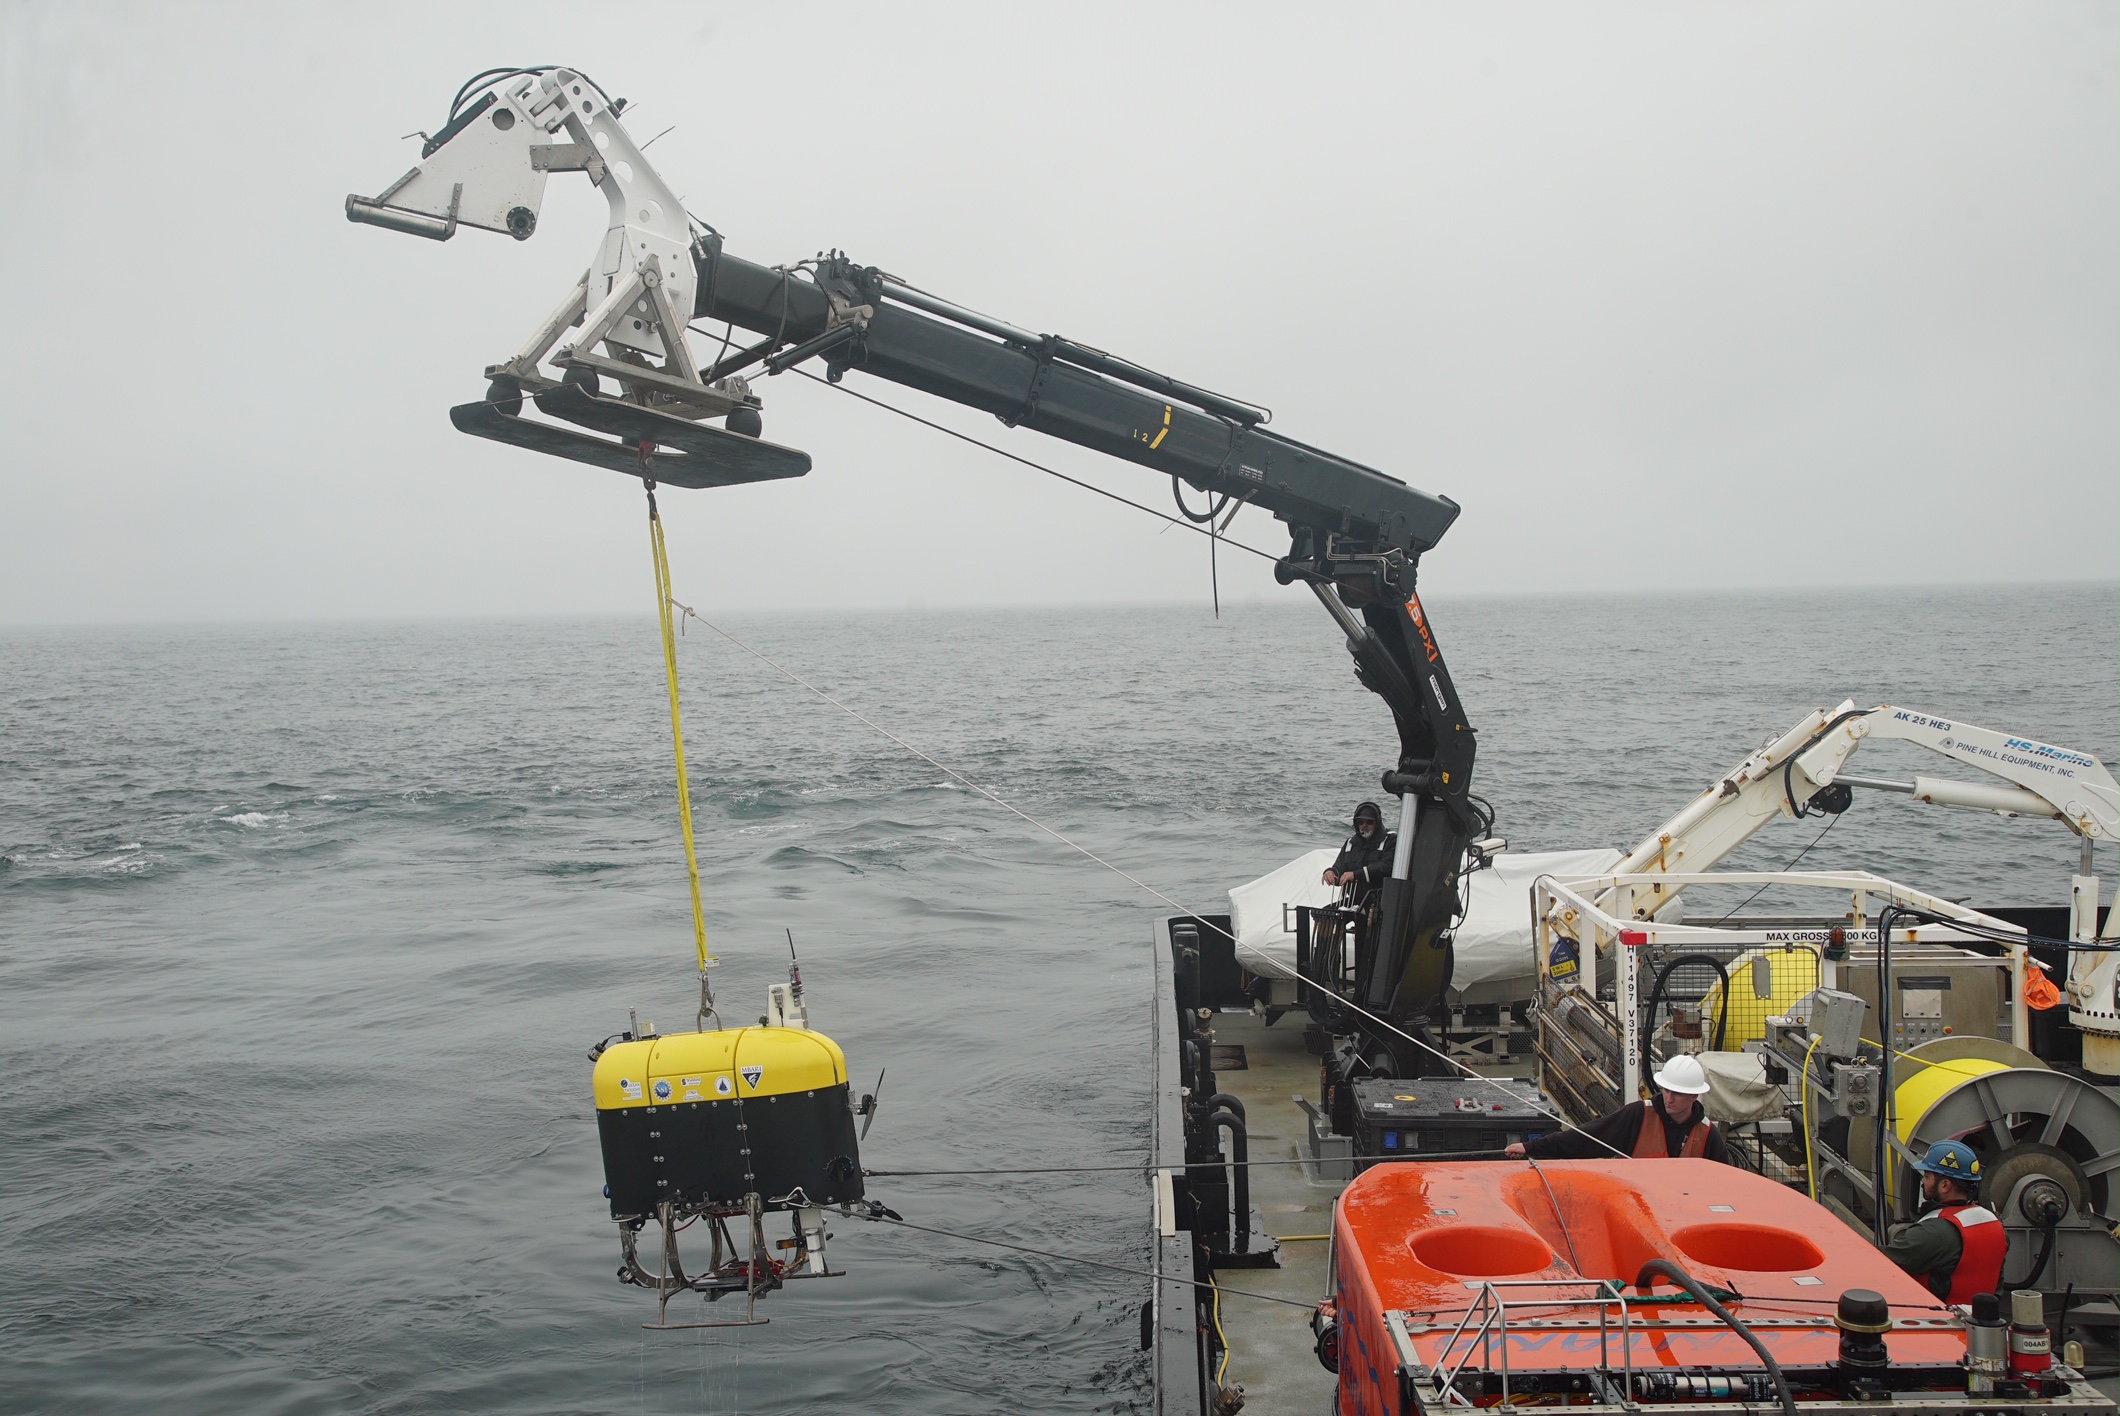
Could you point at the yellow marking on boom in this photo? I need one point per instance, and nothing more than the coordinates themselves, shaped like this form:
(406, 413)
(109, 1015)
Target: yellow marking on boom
(1162, 432)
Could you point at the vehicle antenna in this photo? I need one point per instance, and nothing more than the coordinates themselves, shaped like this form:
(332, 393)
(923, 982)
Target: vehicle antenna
(794, 970)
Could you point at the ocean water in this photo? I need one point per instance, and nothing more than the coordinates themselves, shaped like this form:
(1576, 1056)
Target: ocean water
(305, 932)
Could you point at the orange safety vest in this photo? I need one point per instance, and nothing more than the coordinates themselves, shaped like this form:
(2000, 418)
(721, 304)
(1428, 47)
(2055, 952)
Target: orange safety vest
(1649, 1141)
(1982, 1247)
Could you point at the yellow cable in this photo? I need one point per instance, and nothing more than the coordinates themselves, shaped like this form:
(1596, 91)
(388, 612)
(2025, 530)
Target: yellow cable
(677, 730)
(1803, 1088)
(1221, 1369)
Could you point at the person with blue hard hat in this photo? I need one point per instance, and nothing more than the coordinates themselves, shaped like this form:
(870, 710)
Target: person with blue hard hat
(1958, 1248)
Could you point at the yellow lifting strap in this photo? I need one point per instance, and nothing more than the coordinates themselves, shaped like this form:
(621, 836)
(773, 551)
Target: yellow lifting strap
(677, 729)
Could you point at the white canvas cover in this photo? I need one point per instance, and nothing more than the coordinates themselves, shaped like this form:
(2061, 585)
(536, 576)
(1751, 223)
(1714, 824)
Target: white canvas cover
(1494, 962)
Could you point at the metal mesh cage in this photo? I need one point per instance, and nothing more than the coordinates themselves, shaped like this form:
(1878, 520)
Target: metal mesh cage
(1719, 997)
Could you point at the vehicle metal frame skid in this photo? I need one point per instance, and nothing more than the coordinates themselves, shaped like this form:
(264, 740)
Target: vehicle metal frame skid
(1445, 1383)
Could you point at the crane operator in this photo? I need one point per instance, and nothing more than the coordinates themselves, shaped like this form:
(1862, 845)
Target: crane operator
(1672, 1124)
(1365, 861)
(1957, 1249)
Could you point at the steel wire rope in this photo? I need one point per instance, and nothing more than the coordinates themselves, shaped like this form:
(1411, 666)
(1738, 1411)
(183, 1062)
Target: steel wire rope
(1205, 529)
(1202, 530)
(1270, 963)
(1036, 466)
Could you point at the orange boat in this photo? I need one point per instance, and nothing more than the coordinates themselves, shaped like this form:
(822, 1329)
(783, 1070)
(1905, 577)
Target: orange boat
(1476, 1283)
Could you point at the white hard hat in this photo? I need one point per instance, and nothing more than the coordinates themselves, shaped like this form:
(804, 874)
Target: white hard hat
(1683, 1074)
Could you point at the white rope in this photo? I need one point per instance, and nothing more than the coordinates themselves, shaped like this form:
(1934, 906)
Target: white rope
(1271, 965)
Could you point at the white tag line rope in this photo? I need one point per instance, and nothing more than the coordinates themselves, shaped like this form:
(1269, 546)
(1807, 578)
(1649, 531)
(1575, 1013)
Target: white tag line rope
(1270, 965)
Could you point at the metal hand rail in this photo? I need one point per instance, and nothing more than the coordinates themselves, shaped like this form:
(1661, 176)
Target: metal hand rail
(1495, 1311)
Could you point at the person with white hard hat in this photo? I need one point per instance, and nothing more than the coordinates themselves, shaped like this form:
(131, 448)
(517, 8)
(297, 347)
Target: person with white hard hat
(1671, 1124)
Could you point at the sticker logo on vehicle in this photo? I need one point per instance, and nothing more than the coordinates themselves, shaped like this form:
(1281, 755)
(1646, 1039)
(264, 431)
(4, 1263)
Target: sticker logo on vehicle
(630, 1087)
(723, 1086)
(752, 1074)
(662, 1089)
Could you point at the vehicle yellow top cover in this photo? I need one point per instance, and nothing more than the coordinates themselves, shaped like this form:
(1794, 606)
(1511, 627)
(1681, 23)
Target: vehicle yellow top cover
(704, 1118)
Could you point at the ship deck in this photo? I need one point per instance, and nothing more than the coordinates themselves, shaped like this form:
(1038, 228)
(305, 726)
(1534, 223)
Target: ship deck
(1270, 1344)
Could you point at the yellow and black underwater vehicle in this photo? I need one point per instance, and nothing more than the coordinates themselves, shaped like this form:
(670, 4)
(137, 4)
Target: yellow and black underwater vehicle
(726, 1126)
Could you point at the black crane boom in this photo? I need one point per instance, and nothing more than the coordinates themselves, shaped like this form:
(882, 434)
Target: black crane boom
(1356, 534)
(1042, 386)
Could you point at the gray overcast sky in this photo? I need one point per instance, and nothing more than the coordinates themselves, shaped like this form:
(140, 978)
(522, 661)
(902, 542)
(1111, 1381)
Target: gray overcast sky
(1667, 296)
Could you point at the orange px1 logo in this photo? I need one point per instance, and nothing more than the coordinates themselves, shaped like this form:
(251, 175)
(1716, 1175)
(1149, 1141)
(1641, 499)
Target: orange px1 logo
(1420, 622)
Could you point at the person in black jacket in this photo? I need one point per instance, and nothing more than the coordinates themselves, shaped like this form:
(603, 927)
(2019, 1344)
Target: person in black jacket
(1365, 861)
(1671, 1123)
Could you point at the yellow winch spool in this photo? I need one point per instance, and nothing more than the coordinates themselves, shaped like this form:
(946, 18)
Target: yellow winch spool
(1912, 1098)
(1933, 1072)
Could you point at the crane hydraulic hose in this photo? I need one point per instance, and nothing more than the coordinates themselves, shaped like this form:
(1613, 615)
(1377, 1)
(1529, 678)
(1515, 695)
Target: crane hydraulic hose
(677, 731)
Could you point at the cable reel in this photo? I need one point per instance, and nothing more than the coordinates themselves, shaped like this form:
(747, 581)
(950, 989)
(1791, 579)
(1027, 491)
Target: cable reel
(2048, 1141)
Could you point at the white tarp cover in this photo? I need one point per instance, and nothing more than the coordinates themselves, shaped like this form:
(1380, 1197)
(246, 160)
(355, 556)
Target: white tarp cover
(1494, 962)
(1738, 1089)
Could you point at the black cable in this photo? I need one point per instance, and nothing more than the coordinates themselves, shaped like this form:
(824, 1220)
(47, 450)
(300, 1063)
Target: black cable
(1883, 1155)
(1790, 866)
(1214, 508)
(1656, 993)
(2046, 1251)
(1076, 1259)
(1994, 936)
(489, 77)
(1145, 1165)
(1802, 809)
(1665, 1268)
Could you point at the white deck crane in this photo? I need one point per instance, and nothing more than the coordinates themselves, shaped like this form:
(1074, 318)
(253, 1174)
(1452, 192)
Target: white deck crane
(1800, 773)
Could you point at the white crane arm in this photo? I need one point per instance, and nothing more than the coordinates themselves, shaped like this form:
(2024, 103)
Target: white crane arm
(1727, 814)
(2045, 780)
(1782, 778)
(487, 167)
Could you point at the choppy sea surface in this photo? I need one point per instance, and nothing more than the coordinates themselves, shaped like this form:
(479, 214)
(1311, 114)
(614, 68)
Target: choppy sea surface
(305, 931)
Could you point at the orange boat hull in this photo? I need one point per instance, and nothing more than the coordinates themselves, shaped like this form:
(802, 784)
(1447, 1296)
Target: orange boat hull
(1423, 1241)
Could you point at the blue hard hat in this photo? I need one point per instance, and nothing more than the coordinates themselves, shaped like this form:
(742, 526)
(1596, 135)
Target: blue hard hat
(1954, 1160)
